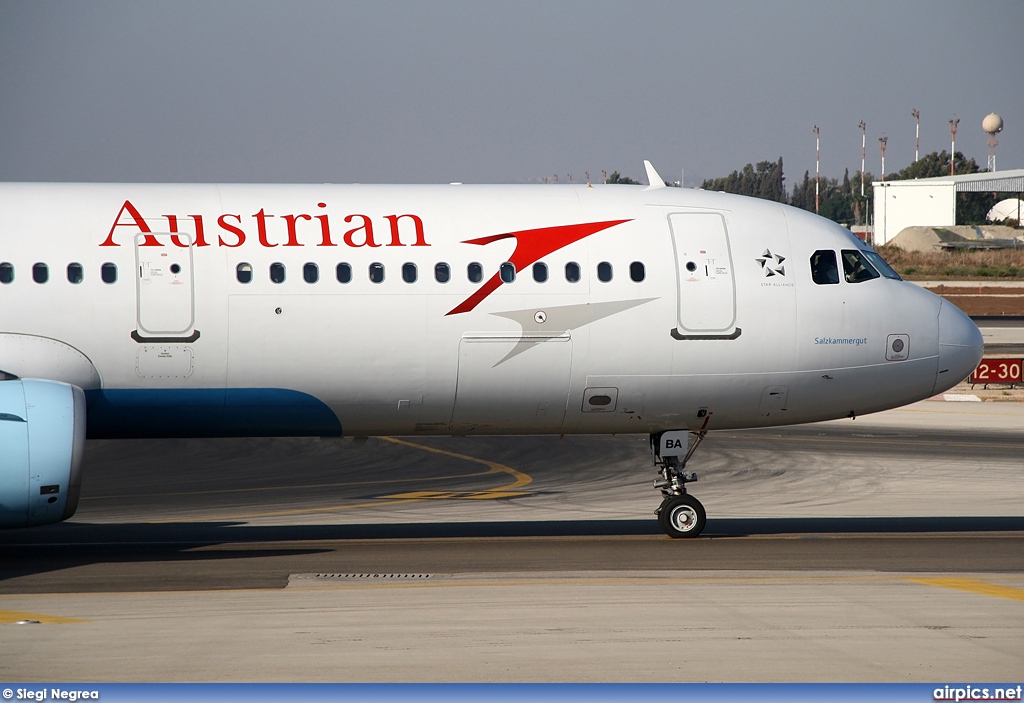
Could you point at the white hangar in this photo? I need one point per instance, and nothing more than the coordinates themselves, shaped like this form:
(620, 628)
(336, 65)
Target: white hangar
(931, 202)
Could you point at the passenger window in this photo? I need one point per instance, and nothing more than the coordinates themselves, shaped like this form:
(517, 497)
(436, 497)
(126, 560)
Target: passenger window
(409, 272)
(377, 272)
(475, 272)
(6, 273)
(344, 273)
(604, 272)
(824, 270)
(40, 273)
(76, 274)
(108, 273)
(508, 272)
(572, 272)
(243, 273)
(277, 272)
(857, 267)
(311, 273)
(442, 273)
(540, 272)
(637, 272)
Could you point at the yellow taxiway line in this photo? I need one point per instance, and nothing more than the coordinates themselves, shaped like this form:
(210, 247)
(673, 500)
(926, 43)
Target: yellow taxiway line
(972, 586)
(519, 479)
(9, 617)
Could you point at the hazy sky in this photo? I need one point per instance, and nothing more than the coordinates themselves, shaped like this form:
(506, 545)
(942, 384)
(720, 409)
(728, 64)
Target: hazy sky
(499, 92)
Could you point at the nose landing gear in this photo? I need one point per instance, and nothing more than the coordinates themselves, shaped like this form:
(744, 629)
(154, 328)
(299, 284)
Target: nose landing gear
(680, 514)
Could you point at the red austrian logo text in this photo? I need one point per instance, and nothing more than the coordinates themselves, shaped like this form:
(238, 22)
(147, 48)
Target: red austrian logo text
(271, 230)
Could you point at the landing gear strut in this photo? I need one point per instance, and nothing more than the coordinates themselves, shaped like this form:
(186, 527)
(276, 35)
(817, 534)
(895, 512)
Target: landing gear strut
(680, 514)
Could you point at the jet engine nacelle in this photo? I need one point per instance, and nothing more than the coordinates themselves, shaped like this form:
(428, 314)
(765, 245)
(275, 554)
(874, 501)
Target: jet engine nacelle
(42, 436)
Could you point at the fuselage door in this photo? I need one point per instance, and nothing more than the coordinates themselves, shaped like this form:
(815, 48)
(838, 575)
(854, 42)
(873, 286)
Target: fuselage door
(705, 283)
(166, 298)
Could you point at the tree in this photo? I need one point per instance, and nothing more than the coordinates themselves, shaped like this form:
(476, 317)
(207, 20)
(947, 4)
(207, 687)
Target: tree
(765, 181)
(771, 185)
(842, 202)
(803, 194)
(935, 164)
(973, 208)
(858, 204)
(836, 205)
(614, 177)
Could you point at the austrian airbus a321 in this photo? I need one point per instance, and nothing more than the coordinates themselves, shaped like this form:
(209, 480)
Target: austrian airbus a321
(154, 310)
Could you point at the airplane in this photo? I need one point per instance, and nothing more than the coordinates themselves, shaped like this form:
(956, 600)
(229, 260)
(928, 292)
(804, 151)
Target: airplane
(172, 310)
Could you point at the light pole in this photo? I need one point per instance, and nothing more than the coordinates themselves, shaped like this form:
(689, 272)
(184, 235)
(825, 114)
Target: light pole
(863, 153)
(917, 133)
(817, 159)
(881, 143)
(952, 136)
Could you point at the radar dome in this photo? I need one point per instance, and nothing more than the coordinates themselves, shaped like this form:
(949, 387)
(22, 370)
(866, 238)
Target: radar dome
(992, 123)
(1009, 209)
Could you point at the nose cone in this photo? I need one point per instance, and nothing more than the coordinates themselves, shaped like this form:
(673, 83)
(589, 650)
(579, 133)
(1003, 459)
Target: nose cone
(960, 347)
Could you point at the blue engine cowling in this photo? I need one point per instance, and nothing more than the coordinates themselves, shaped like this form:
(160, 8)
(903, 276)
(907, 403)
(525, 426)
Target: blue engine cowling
(42, 436)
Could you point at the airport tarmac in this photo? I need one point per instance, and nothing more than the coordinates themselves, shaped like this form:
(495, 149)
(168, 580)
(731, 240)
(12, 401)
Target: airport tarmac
(1004, 336)
(886, 548)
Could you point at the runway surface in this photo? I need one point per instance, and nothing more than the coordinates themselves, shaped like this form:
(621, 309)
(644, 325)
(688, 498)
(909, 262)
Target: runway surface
(890, 548)
(1003, 335)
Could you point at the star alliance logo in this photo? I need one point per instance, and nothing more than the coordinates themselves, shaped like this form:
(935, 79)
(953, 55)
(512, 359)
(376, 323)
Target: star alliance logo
(771, 264)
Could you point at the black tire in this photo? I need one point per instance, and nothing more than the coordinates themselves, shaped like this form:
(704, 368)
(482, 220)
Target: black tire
(682, 516)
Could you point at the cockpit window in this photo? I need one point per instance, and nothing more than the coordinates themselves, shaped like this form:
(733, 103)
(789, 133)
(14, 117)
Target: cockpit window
(824, 270)
(857, 267)
(879, 263)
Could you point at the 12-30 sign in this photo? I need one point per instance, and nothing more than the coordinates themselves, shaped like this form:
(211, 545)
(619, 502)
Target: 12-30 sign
(998, 371)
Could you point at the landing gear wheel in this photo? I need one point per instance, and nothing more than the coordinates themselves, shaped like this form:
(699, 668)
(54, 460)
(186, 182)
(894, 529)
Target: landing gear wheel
(681, 516)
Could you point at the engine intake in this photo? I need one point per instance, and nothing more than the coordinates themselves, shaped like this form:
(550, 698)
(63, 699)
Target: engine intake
(42, 437)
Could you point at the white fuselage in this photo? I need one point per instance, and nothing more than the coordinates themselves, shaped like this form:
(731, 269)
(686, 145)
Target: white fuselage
(175, 342)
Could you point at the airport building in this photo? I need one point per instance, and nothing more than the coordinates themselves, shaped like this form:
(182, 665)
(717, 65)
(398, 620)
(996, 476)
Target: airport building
(931, 202)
